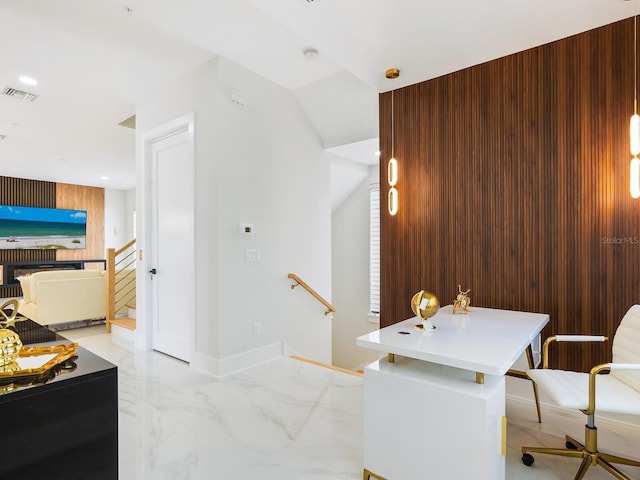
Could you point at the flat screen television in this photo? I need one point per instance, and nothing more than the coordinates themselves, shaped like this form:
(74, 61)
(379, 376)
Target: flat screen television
(35, 228)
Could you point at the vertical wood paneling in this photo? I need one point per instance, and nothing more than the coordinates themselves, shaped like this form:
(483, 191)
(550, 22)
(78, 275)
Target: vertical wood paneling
(91, 199)
(514, 182)
(29, 193)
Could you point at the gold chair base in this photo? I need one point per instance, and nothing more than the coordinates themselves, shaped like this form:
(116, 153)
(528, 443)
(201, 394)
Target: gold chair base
(367, 475)
(590, 457)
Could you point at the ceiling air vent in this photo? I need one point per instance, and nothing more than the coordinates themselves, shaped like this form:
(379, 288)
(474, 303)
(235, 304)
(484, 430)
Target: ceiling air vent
(19, 94)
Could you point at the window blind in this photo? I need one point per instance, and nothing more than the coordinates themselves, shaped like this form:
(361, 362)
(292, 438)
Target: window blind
(374, 250)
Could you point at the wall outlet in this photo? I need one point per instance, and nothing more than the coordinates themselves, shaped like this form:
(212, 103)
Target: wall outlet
(257, 329)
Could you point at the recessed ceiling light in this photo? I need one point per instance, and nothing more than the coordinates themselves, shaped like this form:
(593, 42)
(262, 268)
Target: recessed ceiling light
(28, 80)
(104, 178)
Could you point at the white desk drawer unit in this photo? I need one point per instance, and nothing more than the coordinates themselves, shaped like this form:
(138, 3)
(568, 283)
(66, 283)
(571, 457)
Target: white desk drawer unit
(435, 407)
(442, 424)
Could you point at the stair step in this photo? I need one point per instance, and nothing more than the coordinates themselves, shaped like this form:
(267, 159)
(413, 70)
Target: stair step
(124, 322)
(326, 365)
(132, 306)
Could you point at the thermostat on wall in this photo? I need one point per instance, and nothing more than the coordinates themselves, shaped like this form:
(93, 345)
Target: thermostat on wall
(246, 229)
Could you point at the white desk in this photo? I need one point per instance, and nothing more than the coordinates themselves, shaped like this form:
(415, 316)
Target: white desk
(424, 414)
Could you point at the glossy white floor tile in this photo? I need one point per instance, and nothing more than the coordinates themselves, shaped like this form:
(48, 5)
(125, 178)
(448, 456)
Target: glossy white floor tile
(285, 420)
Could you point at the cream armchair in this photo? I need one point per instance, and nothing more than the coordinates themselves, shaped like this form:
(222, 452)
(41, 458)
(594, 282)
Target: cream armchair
(617, 392)
(63, 296)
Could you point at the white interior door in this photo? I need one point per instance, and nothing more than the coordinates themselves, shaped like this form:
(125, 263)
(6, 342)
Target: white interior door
(172, 241)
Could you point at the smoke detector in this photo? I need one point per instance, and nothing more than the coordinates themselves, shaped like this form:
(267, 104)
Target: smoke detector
(310, 53)
(19, 94)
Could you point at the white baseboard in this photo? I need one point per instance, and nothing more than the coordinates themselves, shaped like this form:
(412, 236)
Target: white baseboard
(221, 367)
(124, 333)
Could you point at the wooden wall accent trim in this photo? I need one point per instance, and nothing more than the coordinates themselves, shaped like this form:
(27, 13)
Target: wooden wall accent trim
(91, 199)
(514, 182)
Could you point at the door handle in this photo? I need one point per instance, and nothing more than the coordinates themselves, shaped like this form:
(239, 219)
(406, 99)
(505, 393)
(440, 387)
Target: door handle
(153, 271)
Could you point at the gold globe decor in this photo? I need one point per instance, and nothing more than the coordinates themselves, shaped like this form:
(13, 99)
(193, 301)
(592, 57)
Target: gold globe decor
(425, 305)
(10, 345)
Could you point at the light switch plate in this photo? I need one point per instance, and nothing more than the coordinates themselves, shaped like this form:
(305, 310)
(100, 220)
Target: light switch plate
(252, 255)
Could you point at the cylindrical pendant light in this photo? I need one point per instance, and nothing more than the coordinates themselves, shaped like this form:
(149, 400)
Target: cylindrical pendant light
(634, 170)
(392, 166)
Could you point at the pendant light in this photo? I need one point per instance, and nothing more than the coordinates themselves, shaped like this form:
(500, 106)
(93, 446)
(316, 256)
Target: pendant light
(634, 124)
(392, 166)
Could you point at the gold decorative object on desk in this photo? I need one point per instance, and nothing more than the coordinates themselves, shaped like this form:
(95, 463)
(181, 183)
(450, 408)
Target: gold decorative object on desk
(425, 305)
(462, 301)
(10, 343)
(26, 364)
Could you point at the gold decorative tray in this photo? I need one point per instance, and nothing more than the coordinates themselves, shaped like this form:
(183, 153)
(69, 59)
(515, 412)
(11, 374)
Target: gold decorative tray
(37, 361)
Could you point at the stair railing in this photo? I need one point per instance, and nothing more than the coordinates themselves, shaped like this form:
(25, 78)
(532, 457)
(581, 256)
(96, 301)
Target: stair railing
(121, 280)
(316, 295)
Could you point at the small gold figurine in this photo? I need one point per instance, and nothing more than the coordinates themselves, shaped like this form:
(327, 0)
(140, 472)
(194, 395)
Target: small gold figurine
(462, 301)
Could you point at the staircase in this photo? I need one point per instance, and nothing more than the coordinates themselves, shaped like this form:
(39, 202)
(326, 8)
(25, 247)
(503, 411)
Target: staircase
(121, 287)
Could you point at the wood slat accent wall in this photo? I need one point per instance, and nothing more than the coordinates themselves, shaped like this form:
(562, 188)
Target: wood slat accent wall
(514, 182)
(36, 193)
(29, 193)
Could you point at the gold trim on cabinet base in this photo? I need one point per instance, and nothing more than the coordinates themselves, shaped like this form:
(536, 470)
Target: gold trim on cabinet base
(503, 450)
(391, 357)
(479, 378)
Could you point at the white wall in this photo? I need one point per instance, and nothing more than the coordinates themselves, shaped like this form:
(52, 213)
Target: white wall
(117, 223)
(350, 274)
(275, 175)
(130, 208)
(262, 164)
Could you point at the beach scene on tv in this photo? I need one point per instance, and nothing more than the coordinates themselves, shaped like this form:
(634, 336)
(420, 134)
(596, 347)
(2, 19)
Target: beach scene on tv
(23, 228)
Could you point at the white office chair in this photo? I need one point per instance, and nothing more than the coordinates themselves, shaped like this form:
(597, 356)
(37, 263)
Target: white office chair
(617, 392)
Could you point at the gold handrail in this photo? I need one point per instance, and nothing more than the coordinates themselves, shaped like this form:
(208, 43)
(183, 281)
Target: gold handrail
(299, 281)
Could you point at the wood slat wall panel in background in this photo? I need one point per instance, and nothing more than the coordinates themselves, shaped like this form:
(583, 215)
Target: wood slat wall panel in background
(514, 182)
(28, 193)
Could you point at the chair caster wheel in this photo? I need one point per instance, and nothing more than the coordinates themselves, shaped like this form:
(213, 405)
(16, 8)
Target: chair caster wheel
(570, 446)
(527, 459)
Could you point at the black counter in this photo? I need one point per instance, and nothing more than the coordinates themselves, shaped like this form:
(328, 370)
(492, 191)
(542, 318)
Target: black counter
(62, 425)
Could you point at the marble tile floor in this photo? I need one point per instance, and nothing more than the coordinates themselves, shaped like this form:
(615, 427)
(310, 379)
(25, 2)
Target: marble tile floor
(284, 420)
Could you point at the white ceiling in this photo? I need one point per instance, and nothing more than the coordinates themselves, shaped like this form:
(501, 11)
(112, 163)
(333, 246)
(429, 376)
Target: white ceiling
(92, 57)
